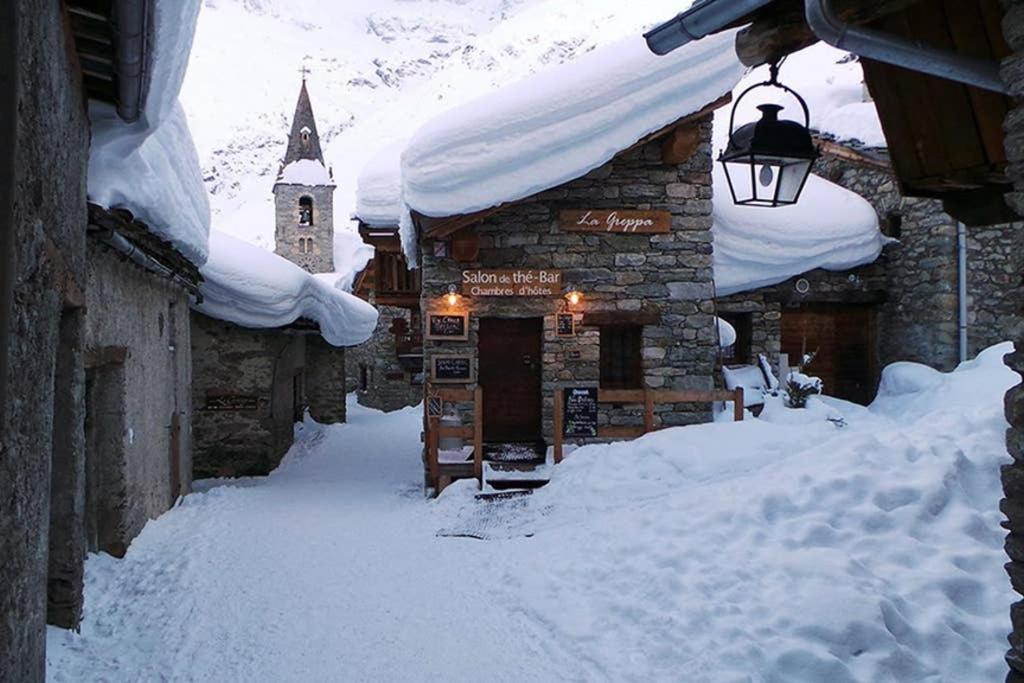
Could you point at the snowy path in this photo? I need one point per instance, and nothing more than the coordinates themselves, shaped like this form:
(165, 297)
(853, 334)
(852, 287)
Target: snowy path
(327, 570)
(835, 543)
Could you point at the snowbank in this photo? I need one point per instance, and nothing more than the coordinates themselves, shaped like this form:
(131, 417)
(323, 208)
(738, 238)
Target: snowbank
(379, 187)
(252, 287)
(560, 124)
(835, 543)
(830, 227)
(150, 167)
(305, 172)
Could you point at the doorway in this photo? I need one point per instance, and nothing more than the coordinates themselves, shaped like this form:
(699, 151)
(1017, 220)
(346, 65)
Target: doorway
(845, 342)
(510, 374)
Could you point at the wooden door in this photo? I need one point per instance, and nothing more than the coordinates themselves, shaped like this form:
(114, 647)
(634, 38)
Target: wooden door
(845, 339)
(510, 374)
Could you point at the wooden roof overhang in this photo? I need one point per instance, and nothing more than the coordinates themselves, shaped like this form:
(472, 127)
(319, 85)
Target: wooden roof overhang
(678, 143)
(945, 139)
(111, 40)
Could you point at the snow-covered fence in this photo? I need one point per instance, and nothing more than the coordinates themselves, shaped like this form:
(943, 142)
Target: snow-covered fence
(649, 398)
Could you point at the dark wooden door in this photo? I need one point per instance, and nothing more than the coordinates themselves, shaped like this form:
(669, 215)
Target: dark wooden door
(510, 374)
(845, 339)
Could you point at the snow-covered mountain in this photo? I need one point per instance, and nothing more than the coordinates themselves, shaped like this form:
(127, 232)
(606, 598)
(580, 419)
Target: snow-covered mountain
(378, 68)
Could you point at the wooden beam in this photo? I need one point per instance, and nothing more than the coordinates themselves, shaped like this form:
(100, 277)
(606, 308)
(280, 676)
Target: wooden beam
(780, 28)
(557, 420)
(620, 432)
(478, 434)
(680, 144)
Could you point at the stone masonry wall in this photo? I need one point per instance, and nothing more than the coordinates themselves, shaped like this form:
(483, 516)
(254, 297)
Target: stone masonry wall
(389, 385)
(147, 314)
(288, 231)
(995, 289)
(1013, 474)
(49, 196)
(325, 380)
(257, 365)
(670, 274)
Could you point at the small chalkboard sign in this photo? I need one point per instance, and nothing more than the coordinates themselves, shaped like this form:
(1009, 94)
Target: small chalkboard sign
(451, 326)
(580, 412)
(452, 369)
(565, 325)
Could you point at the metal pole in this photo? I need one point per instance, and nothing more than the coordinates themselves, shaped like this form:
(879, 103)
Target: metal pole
(961, 276)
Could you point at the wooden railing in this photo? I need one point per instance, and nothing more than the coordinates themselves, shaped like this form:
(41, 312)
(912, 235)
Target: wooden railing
(649, 398)
(435, 431)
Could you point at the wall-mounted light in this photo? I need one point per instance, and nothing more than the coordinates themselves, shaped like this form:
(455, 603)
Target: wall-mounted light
(452, 297)
(574, 296)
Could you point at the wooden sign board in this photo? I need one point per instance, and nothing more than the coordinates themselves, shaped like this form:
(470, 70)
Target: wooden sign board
(580, 412)
(450, 326)
(627, 222)
(452, 369)
(565, 325)
(517, 282)
(231, 402)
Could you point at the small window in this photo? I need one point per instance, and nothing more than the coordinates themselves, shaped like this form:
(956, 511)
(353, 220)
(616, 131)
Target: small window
(306, 211)
(740, 353)
(305, 245)
(621, 364)
(364, 377)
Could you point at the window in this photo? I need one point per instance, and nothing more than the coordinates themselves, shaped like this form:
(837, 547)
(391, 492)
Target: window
(741, 352)
(621, 365)
(306, 211)
(305, 245)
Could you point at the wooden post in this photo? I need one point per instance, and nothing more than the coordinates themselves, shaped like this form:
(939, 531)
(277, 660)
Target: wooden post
(478, 434)
(648, 411)
(433, 466)
(737, 404)
(557, 419)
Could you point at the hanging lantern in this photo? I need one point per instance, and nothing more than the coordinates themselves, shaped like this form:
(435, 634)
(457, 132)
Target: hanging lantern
(767, 162)
(452, 297)
(573, 296)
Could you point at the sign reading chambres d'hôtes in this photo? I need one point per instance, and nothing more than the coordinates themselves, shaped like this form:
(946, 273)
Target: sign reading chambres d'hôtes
(518, 282)
(616, 221)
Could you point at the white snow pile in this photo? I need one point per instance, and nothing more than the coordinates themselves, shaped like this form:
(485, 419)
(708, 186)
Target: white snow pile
(351, 254)
(252, 287)
(150, 167)
(379, 187)
(305, 172)
(726, 333)
(838, 543)
(560, 124)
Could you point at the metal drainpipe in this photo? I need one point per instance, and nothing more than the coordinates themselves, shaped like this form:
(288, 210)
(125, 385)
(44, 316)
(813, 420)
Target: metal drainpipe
(695, 23)
(891, 49)
(132, 24)
(142, 259)
(9, 40)
(961, 245)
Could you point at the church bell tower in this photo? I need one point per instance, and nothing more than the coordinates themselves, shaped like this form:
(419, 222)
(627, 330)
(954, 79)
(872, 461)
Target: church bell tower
(304, 196)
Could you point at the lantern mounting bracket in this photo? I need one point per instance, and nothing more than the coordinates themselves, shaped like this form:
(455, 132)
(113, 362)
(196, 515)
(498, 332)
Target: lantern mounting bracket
(772, 82)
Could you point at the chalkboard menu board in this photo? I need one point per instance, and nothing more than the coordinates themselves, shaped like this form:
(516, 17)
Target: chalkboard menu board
(580, 412)
(441, 326)
(565, 325)
(452, 369)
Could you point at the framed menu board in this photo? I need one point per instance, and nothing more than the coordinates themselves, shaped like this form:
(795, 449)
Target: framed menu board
(451, 326)
(452, 369)
(580, 412)
(565, 325)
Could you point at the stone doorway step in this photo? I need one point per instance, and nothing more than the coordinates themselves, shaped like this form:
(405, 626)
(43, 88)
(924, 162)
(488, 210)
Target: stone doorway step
(508, 478)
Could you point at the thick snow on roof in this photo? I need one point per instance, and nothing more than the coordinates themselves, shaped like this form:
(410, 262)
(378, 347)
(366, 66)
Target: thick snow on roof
(305, 172)
(379, 187)
(351, 254)
(150, 167)
(560, 124)
(832, 83)
(252, 287)
(829, 227)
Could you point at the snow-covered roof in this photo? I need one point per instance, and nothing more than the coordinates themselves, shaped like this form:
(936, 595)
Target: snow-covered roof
(252, 287)
(310, 172)
(351, 254)
(150, 167)
(560, 124)
(379, 187)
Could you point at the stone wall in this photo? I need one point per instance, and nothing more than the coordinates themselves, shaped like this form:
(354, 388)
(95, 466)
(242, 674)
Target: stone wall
(288, 231)
(995, 290)
(243, 395)
(1013, 475)
(149, 453)
(666, 274)
(325, 380)
(388, 385)
(48, 191)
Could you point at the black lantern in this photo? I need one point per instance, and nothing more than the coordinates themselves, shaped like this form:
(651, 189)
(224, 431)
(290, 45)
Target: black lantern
(767, 162)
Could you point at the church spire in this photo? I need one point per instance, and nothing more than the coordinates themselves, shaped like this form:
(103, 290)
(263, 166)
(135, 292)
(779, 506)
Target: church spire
(304, 142)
